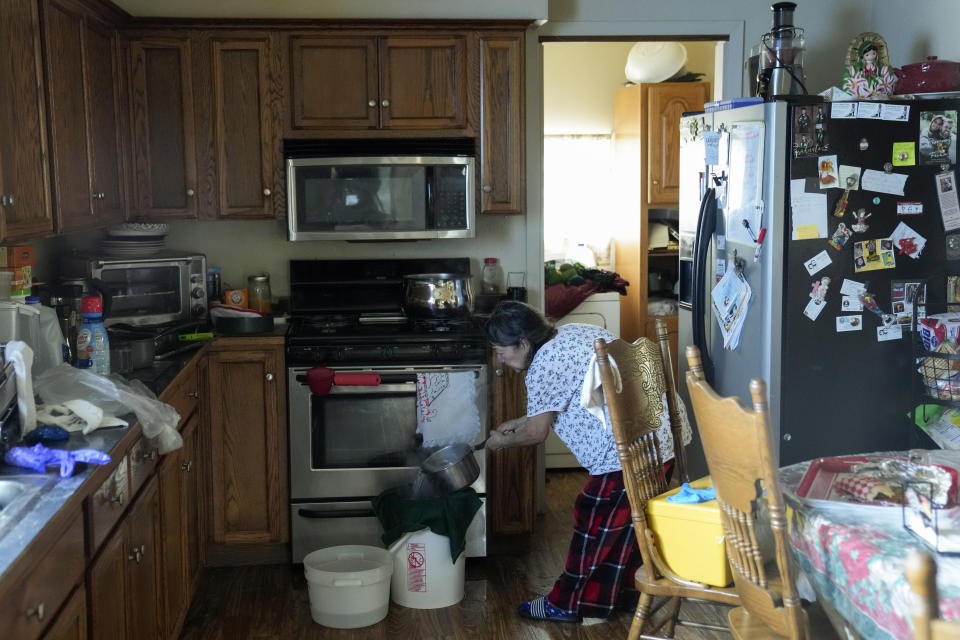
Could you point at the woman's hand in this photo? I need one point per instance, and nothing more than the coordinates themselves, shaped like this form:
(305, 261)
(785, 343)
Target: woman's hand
(521, 432)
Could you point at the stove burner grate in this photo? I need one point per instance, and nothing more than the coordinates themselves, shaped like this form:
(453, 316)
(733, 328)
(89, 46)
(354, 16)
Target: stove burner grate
(442, 325)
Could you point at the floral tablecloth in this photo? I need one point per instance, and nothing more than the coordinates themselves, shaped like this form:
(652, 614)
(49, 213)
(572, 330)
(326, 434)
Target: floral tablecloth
(854, 557)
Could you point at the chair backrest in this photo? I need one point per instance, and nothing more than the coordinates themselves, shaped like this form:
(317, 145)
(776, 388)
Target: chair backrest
(635, 417)
(921, 572)
(738, 445)
(673, 401)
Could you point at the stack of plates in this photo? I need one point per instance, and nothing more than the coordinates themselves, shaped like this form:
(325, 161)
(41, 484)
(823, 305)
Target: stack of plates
(134, 239)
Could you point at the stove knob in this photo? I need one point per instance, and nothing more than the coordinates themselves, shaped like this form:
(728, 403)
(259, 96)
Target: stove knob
(197, 292)
(197, 310)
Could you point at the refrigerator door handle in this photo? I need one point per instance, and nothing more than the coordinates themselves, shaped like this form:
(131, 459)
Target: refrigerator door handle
(706, 227)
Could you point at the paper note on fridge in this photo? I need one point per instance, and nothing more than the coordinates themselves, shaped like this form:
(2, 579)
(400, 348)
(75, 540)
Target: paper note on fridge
(808, 210)
(852, 288)
(907, 241)
(873, 180)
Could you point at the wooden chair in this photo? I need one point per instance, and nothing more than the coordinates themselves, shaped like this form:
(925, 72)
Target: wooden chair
(738, 445)
(921, 572)
(646, 374)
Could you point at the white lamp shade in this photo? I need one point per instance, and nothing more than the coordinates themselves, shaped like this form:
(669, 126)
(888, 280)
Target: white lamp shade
(654, 61)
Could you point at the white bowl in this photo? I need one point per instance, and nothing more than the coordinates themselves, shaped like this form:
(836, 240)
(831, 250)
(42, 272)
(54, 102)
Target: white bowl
(654, 61)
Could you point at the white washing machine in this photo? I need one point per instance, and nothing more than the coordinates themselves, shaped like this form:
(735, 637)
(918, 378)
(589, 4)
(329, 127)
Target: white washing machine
(603, 310)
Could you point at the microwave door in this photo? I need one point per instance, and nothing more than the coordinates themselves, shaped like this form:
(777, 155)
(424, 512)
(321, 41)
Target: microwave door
(145, 294)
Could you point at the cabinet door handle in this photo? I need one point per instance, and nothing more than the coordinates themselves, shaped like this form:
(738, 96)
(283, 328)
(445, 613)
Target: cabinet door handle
(487, 188)
(269, 377)
(39, 611)
(7, 201)
(190, 193)
(147, 457)
(193, 394)
(371, 103)
(267, 192)
(384, 103)
(656, 182)
(498, 373)
(187, 466)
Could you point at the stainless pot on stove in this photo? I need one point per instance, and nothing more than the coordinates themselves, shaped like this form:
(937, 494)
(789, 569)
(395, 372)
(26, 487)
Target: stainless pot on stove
(437, 295)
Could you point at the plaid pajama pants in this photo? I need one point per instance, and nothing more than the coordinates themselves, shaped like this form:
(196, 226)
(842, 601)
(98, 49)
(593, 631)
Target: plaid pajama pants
(603, 556)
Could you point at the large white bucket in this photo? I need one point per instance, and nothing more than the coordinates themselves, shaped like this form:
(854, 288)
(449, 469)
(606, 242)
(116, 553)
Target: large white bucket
(424, 577)
(349, 586)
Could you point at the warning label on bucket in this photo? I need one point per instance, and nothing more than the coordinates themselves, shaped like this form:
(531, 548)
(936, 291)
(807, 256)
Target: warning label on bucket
(416, 567)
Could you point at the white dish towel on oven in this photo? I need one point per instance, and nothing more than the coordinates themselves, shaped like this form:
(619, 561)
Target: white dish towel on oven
(447, 410)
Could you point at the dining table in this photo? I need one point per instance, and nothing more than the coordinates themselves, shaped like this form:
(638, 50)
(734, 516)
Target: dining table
(853, 556)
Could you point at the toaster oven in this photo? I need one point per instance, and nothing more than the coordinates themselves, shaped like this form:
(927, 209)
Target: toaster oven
(162, 288)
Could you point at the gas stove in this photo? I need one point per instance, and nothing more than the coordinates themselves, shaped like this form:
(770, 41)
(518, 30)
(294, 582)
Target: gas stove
(350, 312)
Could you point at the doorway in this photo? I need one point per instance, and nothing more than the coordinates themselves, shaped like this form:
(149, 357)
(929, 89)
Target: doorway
(591, 210)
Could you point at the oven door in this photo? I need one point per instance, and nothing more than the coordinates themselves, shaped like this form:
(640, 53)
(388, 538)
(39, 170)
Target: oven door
(149, 293)
(359, 441)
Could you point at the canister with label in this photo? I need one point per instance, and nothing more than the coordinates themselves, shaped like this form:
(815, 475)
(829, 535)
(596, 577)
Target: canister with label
(258, 292)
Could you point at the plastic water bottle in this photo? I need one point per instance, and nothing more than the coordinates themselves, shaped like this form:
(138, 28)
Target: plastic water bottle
(93, 347)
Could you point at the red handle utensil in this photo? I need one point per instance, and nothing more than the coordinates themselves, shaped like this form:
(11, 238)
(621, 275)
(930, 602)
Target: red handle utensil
(321, 379)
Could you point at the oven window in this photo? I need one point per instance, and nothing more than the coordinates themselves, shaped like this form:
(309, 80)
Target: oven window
(360, 430)
(143, 291)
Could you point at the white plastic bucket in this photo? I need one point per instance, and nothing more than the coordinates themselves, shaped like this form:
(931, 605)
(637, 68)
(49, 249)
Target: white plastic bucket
(349, 586)
(424, 577)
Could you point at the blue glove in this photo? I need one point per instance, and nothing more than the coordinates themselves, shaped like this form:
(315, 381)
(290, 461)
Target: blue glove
(39, 457)
(688, 494)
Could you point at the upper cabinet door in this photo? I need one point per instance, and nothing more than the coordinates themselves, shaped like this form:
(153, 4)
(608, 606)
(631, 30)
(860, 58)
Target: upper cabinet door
(100, 63)
(84, 107)
(423, 82)
(333, 83)
(666, 104)
(243, 127)
(502, 186)
(24, 177)
(165, 159)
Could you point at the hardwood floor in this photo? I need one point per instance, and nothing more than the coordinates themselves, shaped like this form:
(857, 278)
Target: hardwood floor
(271, 602)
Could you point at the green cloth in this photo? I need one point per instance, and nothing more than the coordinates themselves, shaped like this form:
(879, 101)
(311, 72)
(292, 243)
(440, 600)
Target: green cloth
(927, 414)
(449, 516)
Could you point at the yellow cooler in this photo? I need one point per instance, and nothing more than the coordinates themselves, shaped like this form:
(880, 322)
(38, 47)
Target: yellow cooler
(690, 536)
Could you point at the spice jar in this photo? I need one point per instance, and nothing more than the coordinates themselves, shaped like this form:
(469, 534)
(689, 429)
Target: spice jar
(258, 292)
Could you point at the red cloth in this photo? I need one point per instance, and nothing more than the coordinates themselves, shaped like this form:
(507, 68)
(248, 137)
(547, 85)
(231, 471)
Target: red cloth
(561, 299)
(603, 555)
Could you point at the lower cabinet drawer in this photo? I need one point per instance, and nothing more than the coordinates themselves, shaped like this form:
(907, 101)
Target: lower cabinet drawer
(143, 462)
(27, 608)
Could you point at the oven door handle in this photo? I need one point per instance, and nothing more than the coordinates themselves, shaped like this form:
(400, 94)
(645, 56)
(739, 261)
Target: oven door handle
(348, 513)
(409, 387)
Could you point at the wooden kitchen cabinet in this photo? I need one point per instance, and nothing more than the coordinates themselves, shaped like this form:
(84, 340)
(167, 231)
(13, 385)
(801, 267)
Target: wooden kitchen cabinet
(666, 104)
(124, 580)
(164, 135)
(646, 127)
(84, 100)
(24, 173)
(179, 529)
(502, 184)
(365, 82)
(238, 124)
(71, 622)
(512, 475)
(246, 444)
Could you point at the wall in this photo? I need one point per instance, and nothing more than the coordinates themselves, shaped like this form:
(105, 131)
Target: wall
(913, 35)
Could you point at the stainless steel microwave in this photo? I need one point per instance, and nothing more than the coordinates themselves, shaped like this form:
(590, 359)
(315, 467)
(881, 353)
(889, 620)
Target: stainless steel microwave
(149, 290)
(395, 197)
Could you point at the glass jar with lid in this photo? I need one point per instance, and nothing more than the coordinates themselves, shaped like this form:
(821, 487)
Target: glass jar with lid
(258, 292)
(491, 277)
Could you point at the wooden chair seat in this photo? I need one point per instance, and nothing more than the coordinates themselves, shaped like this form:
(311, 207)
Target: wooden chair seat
(646, 375)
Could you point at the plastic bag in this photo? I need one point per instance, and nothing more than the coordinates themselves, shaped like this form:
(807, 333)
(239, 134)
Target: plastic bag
(115, 396)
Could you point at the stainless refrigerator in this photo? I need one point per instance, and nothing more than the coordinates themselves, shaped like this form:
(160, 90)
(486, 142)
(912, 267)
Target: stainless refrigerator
(830, 392)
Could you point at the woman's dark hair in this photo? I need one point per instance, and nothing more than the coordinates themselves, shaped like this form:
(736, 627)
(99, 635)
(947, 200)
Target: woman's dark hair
(512, 322)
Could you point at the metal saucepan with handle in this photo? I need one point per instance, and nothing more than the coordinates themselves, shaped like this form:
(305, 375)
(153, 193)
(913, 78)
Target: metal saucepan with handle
(437, 295)
(453, 467)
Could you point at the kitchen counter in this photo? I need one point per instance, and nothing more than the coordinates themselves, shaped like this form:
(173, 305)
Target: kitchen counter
(19, 528)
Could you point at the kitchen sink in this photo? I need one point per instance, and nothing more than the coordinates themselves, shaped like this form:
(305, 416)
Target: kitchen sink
(18, 495)
(10, 490)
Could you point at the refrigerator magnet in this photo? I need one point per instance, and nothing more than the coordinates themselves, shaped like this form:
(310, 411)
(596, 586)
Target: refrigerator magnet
(849, 177)
(937, 137)
(817, 262)
(849, 323)
(828, 172)
(814, 308)
(861, 226)
(852, 288)
(947, 195)
(850, 303)
(868, 110)
(903, 154)
(895, 112)
(891, 332)
(905, 208)
(843, 110)
(907, 241)
(818, 289)
(840, 236)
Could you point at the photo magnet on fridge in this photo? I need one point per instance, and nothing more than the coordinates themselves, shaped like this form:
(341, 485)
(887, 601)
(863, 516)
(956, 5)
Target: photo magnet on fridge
(938, 137)
(828, 172)
(849, 323)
